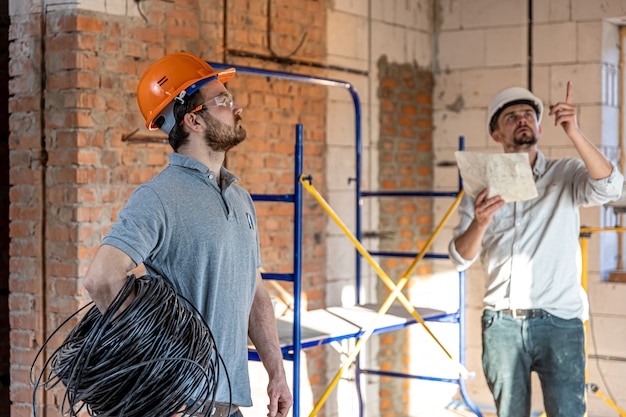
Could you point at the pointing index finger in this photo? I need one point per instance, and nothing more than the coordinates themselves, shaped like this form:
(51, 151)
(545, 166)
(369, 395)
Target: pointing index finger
(568, 97)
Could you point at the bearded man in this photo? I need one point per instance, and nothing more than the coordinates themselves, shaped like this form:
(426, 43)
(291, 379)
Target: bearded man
(193, 225)
(534, 305)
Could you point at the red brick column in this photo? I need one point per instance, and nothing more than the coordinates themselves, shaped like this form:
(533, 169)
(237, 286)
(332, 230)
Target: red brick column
(26, 213)
(405, 158)
(4, 213)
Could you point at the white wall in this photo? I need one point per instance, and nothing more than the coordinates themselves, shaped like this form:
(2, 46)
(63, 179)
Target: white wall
(359, 33)
(482, 47)
(113, 7)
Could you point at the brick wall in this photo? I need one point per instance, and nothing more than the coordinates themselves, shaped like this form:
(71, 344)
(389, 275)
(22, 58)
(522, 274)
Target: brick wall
(264, 162)
(25, 280)
(4, 211)
(68, 189)
(405, 158)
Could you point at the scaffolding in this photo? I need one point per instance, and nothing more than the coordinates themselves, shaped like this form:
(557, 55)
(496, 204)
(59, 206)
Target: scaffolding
(333, 324)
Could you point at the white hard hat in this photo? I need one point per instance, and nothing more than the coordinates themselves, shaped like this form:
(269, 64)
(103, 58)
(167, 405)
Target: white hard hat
(509, 97)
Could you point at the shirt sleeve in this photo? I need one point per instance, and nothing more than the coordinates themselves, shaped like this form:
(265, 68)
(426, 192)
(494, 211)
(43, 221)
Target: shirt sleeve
(592, 192)
(459, 262)
(466, 215)
(139, 225)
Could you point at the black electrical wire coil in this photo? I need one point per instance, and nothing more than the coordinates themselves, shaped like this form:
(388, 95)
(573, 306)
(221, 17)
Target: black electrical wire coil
(157, 357)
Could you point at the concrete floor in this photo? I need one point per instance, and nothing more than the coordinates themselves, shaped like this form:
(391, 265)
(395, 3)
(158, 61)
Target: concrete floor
(451, 410)
(453, 413)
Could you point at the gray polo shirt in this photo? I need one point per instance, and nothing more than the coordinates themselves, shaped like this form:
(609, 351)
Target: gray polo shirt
(204, 239)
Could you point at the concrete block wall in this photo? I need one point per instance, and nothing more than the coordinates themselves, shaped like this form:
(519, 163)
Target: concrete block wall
(375, 39)
(482, 47)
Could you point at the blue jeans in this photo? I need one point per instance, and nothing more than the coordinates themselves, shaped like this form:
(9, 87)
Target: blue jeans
(548, 345)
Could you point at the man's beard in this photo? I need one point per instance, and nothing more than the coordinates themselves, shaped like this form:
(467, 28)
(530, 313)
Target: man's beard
(221, 137)
(527, 137)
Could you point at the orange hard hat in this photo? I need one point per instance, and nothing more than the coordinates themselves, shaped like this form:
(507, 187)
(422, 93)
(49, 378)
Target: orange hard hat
(173, 77)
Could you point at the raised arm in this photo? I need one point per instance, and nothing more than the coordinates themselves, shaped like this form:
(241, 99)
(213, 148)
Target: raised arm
(263, 333)
(565, 115)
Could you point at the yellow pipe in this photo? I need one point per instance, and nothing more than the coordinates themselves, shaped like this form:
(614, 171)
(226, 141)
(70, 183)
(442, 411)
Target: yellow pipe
(357, 348)
(395, 293)
(585, 232)
(432, 237)
(385, 278)
(601, 229)
(583, 253)
(620, 105)
(584, 282)
(594, 388)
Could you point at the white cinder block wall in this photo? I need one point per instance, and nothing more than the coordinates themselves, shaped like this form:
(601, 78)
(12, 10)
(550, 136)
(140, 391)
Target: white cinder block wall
(481, 47)
(359, 34)
(475, 48)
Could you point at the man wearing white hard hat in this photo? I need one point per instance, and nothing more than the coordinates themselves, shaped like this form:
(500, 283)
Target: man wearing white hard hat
(534, 305)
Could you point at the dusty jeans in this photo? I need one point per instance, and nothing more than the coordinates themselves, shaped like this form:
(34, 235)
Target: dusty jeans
(548, 345)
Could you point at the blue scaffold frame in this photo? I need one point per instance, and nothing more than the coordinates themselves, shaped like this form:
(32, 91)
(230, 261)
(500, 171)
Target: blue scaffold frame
(291, 351)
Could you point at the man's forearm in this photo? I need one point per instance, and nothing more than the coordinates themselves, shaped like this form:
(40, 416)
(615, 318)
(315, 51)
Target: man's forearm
(106, 276)
(263, 333)
(598, 166)
(469, 243)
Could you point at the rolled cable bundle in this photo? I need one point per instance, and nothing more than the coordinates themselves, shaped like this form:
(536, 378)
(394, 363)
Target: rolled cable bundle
(155, 358)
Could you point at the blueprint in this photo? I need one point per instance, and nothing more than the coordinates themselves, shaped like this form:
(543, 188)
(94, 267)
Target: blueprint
(506, 174)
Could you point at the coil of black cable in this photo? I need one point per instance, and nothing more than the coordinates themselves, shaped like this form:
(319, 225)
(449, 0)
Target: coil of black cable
(157, 357)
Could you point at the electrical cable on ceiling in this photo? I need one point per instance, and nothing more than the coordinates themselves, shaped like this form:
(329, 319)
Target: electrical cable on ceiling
(157, 357)
(141, 13)
(268, 33)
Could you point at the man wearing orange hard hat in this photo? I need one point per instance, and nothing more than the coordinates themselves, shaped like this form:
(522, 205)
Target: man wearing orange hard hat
(195, 226)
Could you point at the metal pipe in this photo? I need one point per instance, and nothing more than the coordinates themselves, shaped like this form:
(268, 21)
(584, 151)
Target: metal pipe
(620, 83)
(327, 82)
(594, 388)
(529, 56)
(297, 264)
(602, 229)
(396, 291)
(379, 271)
(43, 161)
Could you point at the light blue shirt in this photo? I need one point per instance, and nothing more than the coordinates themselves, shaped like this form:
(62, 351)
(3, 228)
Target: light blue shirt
(530, 251)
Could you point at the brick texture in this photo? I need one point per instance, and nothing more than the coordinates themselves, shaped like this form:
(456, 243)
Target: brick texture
(265, 161)
(4, 214)
(405, 158)
(71, 171)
